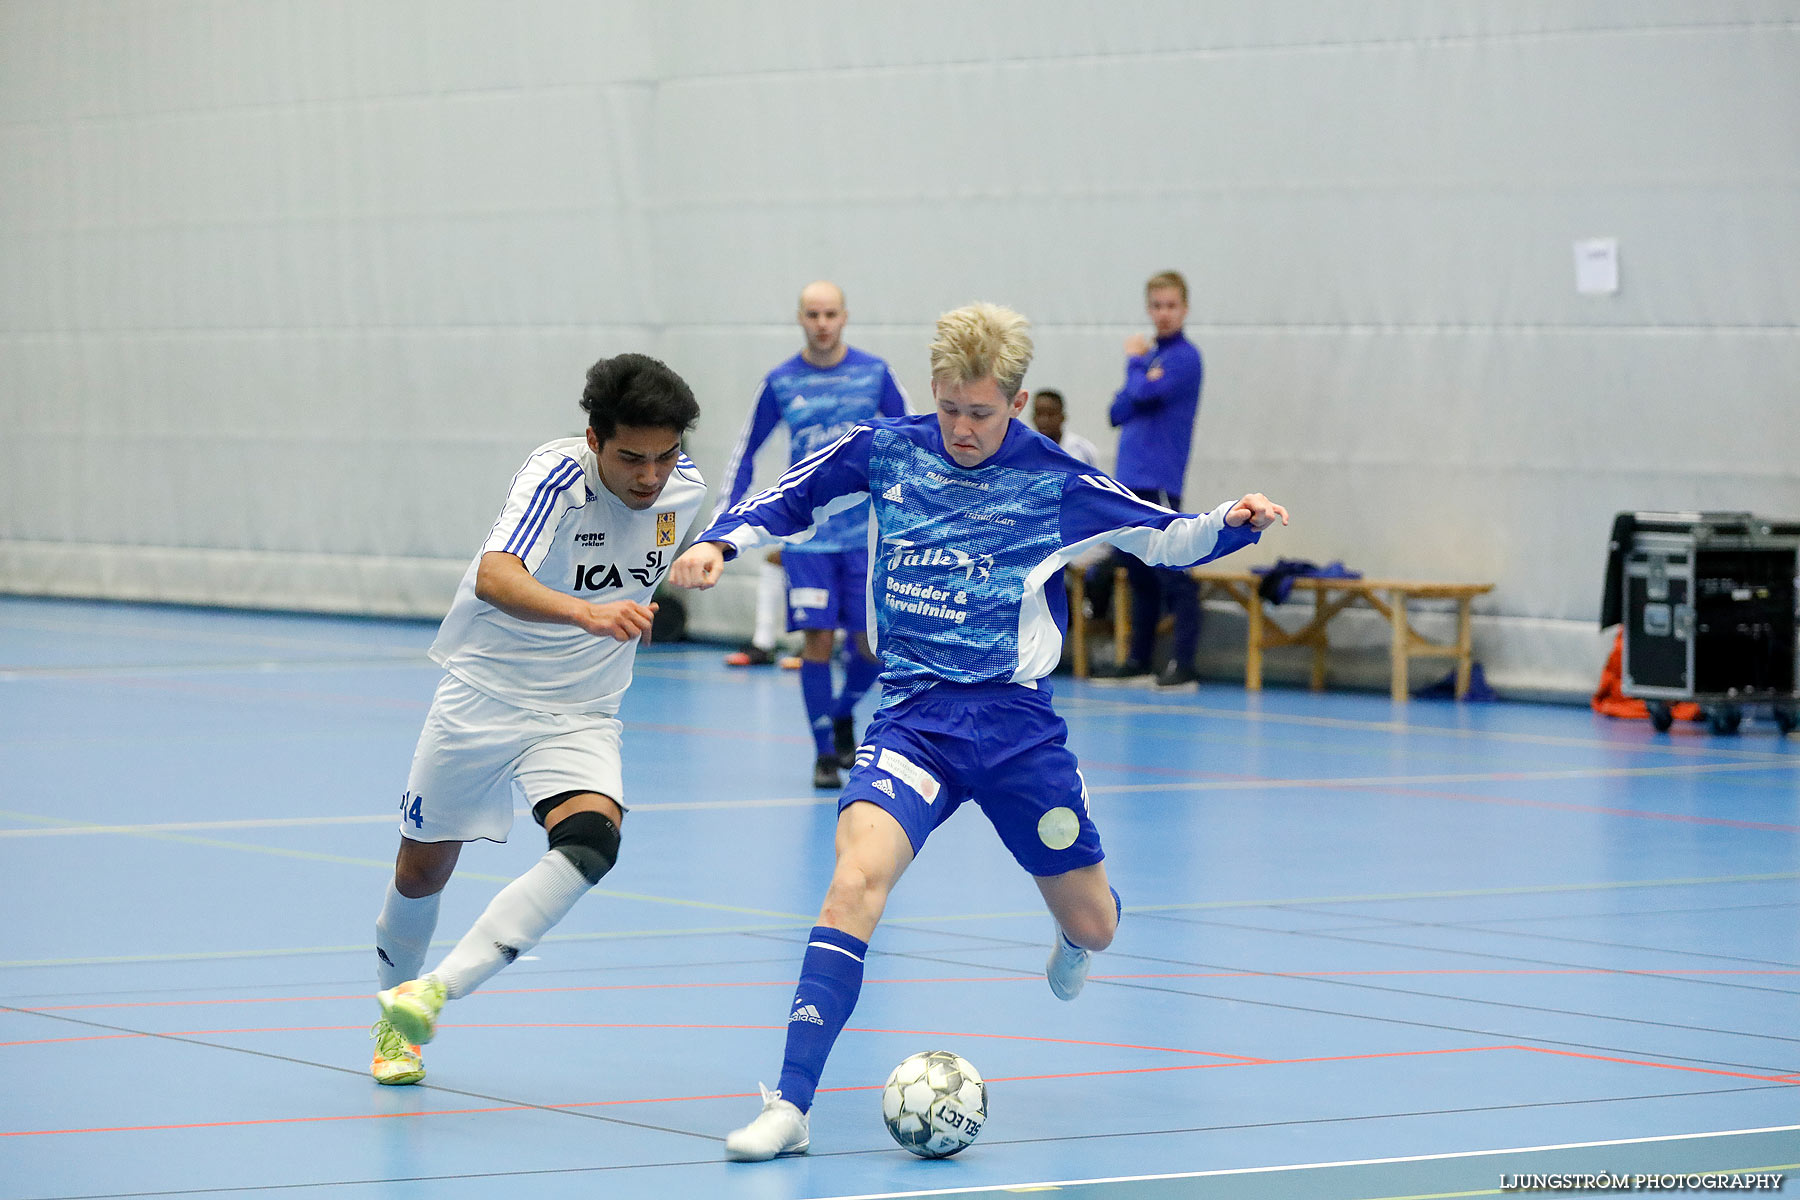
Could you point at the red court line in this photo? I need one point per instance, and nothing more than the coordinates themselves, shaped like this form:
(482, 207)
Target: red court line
(788, 983)
(1666, 1066)
(1011, 1037)
(1211, 1066)
(1650, 973)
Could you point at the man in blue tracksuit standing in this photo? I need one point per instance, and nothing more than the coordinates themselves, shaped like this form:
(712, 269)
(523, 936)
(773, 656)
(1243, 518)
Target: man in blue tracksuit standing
(1154, 413)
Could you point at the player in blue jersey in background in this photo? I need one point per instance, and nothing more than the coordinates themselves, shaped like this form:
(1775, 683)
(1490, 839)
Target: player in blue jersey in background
(975, 516)
(819, 394)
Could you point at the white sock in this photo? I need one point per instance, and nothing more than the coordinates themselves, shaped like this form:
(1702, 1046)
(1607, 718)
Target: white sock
(771, 601)
(403, 935)
(514, 922)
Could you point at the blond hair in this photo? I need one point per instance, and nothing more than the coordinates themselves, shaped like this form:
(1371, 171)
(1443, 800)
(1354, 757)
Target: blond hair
(981, 341)
(1167, 279)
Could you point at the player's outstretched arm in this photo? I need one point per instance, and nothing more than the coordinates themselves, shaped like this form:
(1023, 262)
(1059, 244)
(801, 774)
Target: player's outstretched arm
(502, 581)
(1257, 509)
(699, 567)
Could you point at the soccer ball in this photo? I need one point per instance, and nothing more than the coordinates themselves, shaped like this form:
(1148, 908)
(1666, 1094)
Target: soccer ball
(935, 1103)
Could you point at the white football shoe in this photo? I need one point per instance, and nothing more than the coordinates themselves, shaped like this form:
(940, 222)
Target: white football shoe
(779, 1129)
(1067, 969)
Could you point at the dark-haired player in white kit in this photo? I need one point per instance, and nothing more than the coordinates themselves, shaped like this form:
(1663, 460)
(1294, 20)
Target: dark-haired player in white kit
(974, 516)
(537, 651)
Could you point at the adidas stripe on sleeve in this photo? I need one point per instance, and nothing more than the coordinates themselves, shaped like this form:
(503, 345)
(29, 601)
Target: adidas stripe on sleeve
(814, 489)
(545, 487)
(1097, 509)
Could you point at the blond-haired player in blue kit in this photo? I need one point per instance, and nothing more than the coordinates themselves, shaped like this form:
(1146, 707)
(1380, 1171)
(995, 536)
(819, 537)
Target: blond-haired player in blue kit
(537, 651)
(973, 516)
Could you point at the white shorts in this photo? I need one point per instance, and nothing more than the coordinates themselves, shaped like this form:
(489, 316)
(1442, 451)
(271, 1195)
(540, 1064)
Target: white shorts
(477, 756)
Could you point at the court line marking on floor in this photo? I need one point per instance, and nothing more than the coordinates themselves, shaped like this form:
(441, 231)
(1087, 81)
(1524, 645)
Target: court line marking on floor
(67, 830)
(1086, 704)
(206, 632)
(1471, 893)
(1108, 706)
(793, 921)
(701, 985)
(372, 662)
(571, 1106)
(60, 826)
(1354, 1162)
(1401, 781)
(1226, 1058)
(388, 866)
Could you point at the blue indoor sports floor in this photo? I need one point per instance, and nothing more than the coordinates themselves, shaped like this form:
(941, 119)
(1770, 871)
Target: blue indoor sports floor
(1368, 951)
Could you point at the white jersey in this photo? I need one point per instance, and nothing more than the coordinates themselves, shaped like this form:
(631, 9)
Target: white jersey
(575, 536)
(1077, 446)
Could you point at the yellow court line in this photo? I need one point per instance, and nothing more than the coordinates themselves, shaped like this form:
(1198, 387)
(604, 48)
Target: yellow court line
(1470, 893)
(363, 947)
(1402, 781)
(797, 921)
(66, 830)
(387, 866)
(1279, 902)
(1092, 706)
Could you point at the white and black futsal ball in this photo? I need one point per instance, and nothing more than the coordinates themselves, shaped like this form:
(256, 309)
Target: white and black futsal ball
(935, 1103)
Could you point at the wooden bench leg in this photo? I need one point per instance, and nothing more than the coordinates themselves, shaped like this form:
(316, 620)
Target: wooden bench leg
(1321, 599)
(1253, 666)
(1464, 644)
(1398, 645)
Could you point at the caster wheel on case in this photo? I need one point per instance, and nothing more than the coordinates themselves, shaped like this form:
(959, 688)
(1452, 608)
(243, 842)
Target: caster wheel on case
(1724, 719)
(1660, 715)
(1786, 719)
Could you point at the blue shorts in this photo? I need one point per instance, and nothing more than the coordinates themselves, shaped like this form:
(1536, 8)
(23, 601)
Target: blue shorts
(827, 590)
(999, 744)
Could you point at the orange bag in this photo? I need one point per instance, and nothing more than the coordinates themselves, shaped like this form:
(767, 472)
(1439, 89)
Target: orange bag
(1610, 701)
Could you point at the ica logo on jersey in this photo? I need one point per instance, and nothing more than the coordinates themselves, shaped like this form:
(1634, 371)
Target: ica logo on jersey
(602, 577)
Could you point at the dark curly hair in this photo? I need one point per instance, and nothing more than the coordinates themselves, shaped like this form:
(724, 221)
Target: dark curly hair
(639, 392)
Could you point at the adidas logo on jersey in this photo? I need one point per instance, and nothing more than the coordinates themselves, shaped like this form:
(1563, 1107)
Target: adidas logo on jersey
(884, 786)
(893, 494)
(806, 1012)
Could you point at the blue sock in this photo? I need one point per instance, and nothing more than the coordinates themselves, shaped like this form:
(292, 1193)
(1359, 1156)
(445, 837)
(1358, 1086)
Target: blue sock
(859, 676)
(815, 689)
(831, 977)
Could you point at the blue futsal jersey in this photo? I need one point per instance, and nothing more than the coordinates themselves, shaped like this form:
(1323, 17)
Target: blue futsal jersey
(965, 579)
(818, 405)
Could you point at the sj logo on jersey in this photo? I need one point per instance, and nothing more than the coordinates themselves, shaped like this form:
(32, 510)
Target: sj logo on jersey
(665, 529)
(605, 576)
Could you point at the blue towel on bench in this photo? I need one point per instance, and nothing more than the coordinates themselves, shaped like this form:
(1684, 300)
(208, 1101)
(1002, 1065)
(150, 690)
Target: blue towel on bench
(1278, 580)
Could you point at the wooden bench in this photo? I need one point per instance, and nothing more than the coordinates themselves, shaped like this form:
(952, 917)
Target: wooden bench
(1389, 597)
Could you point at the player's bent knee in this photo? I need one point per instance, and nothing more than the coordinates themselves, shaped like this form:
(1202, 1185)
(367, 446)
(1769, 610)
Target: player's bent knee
(590, 841)
(1093, 932)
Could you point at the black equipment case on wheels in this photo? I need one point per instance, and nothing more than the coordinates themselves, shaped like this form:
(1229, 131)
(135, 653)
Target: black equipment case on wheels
(1708, 605)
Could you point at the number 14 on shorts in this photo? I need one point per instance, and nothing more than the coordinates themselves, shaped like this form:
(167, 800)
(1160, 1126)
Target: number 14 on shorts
(412, 808)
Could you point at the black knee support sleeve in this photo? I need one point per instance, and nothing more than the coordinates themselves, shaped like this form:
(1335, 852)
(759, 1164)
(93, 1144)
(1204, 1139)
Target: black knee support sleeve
(590, 841)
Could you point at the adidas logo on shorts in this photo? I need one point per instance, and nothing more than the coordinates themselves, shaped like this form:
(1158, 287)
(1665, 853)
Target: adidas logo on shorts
(885, 786)
(806, 1012)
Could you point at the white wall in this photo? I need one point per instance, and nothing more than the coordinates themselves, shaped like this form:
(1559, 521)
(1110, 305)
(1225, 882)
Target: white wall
(288, 289)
